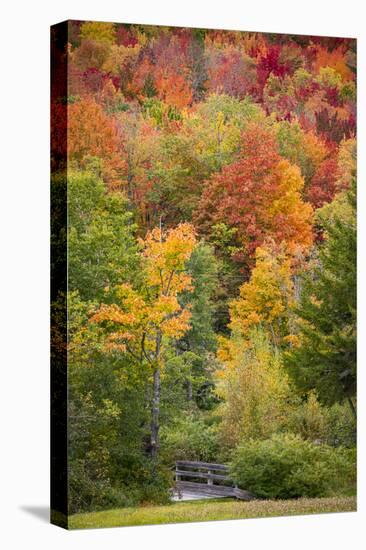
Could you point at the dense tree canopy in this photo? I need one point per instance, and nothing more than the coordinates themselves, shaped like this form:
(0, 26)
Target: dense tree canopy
(211, 234)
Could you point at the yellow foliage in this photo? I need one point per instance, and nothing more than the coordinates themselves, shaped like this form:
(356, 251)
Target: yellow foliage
(142, 321)
(165, 257)
(266, 300)
(97, 30)
(254, 386)
(118, 57)
(289, 206)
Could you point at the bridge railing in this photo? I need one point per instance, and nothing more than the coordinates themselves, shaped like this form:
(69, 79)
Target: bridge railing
(206, 478)
(201, 470)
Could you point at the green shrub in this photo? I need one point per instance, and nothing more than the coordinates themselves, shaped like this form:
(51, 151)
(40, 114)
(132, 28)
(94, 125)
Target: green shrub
(287, 466)
(334, 426)
(91, 494)
(308, 419)
(341, 426)
(190, 439)
(156, 489)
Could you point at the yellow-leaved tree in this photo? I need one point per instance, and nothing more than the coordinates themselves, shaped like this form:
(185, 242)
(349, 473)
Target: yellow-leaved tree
(143, 321)
(254, 387)
(267, 299)
(252, 379)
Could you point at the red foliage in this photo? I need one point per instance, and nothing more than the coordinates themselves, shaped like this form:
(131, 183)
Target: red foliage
(231, 73)
(58, 133)
(246, 195)
(124, 37)
(333, 128)
(94, 80)
(323, 185)
(269, 62)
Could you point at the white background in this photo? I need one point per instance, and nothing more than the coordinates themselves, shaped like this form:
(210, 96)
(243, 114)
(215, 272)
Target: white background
(24, 273)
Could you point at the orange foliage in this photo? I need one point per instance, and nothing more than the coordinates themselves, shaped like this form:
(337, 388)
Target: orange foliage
(335, 59)
(260, 195)
(139, 321)
(173, 88)
(91, 133)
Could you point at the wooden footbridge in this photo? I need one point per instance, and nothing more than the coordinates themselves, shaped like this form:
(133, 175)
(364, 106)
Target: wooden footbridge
(196, 480)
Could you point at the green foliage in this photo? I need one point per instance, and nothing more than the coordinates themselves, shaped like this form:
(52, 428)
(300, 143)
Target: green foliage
(178, 176)
(308, 419)
(341, 426)
(190, 438)
(254, 387)
(102, 249)
(106, 441)
(326, 357)
(227, 247)
(334, 426)
(155, 488)
(202, 267)
(300, 148)
(216, 126)
(97, 30)
(87, 494)
(286, 466)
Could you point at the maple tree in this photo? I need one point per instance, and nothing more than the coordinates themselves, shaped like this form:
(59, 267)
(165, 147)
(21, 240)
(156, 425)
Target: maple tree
(259, 194)
(323, 184)
(142, 322)
(91, 133)
(231, 72)
(267, 299)
(173, 89)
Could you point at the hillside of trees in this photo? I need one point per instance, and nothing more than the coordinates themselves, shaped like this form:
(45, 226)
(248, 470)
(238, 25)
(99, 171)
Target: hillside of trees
(211, 188)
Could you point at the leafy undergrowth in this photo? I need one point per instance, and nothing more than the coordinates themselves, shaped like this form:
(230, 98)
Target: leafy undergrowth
(210, 510)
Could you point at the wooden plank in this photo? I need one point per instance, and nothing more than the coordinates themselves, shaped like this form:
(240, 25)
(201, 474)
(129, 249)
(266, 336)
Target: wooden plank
(219, 490)
(202, 475)
(203, 488)
(203, 465)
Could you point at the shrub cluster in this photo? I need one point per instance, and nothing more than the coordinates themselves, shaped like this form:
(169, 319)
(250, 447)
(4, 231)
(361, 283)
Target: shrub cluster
(190, 439)
(286, 466)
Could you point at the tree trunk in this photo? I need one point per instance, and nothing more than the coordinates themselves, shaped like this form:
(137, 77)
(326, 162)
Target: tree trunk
(155, 411)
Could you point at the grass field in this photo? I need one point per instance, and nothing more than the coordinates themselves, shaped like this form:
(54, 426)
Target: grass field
(209, 510)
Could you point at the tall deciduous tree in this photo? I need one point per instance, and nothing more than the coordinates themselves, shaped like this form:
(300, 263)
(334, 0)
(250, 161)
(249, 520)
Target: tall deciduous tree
(267, 298)
(260, 195)
(142, 322)
(102, 249)
(91, 133)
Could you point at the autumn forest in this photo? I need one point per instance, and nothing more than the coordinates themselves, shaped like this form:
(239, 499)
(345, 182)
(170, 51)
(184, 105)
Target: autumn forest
(211, 248)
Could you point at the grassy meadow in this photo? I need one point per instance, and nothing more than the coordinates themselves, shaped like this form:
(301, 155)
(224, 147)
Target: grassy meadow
(211, 510)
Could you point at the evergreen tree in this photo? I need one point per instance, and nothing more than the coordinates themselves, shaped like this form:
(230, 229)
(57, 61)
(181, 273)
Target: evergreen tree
(326, 357)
